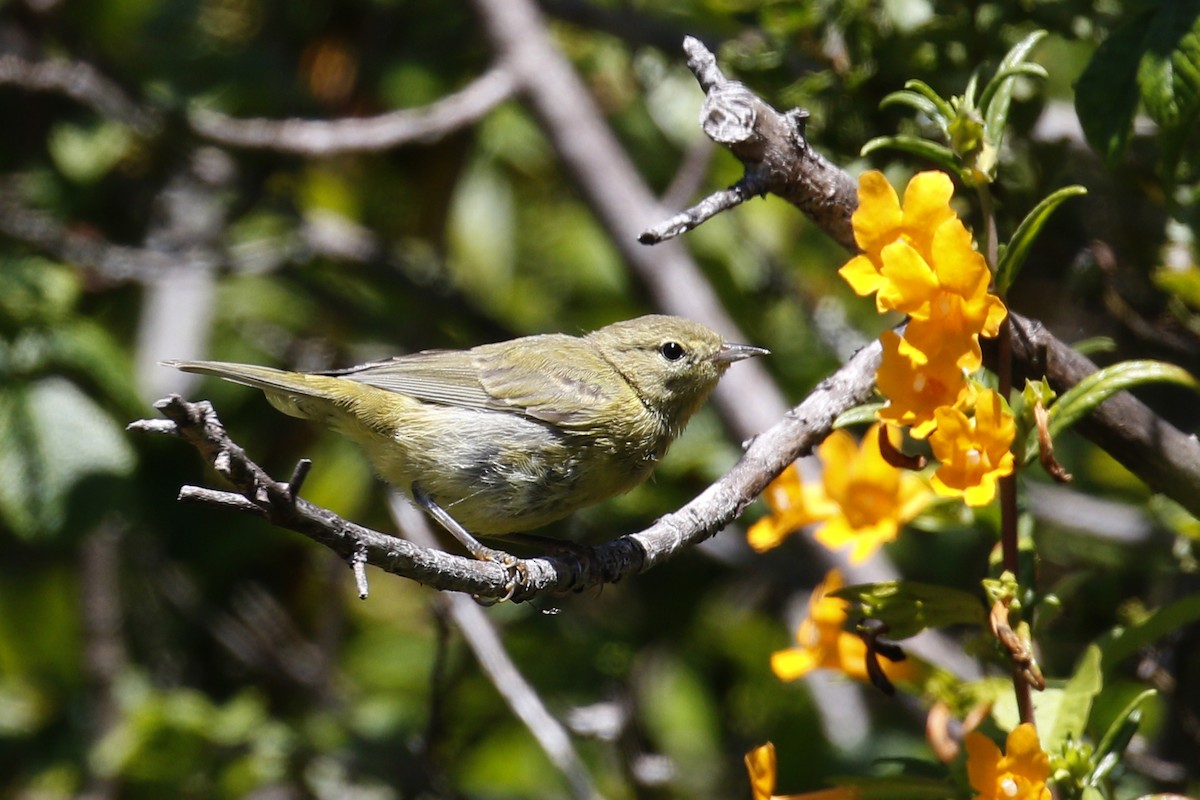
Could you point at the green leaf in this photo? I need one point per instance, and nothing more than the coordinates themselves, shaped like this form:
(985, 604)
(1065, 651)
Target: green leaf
(84, 155)
(941, 107)
(997, 95)
(859, 415)
(1026, 233)
(35, 291)
(1122, 642)
(1085, 396)
(1169, 76)
(898, 787)
(915, 101)
(1076, 705)
(937, 153)
(1116, 739)
(907, 607)
(1094, 345)
(1106, 94)
(52, 436)
(1183, 283)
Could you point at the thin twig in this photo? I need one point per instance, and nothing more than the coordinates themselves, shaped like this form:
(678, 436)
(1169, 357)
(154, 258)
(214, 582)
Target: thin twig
(405, 126)
(706, 209)
(772, 147)
(81, 82)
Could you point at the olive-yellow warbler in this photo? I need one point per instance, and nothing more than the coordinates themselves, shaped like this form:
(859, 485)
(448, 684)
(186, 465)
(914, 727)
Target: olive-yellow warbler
(510, 436)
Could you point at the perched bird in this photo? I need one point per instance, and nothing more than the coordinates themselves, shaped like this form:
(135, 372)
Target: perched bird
(510, 436)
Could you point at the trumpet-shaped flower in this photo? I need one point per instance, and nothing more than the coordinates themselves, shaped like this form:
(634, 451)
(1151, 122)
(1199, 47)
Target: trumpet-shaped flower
(880, 220)
(873, 497)
(916, 384)
(794, 504)
(974, 453)
(861, 502)
(823, 644)
(947, 297)
(1019, 773)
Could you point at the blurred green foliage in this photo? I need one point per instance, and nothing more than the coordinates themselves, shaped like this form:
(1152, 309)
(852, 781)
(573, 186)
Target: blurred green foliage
(150, 649)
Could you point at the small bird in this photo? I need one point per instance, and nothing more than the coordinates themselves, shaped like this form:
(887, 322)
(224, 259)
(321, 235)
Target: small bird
(510, 436)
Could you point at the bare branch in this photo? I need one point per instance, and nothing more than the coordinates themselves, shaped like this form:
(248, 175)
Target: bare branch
(81, 82)
(115, 262)
(772, 147)
(767, 455)
(363, 134)
(707, 208)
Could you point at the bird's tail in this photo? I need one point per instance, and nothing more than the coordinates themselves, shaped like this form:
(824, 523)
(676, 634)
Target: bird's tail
(286, 390)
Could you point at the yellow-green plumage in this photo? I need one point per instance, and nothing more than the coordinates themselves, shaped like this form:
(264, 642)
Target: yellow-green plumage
(510, 436)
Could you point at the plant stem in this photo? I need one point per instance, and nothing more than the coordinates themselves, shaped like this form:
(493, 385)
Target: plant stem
(1009, 545)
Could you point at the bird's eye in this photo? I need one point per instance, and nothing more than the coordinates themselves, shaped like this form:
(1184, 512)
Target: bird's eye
(672, 351)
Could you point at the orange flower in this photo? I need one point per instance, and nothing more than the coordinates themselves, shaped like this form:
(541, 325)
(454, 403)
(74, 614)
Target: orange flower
(879, 221)
(916, 384)
(946, 295)
(974, 453)
(1019, 774)
(823, 644)
(873, 497)
(761, 764)
(793, 505)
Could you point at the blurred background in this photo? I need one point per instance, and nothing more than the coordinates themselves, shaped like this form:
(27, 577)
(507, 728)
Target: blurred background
(151, 649)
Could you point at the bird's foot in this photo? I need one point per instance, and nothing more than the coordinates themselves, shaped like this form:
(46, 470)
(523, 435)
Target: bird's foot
(515, 569)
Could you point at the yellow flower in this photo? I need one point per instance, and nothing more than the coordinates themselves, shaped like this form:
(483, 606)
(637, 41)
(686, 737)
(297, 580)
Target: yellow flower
(916, 384)
(879, 221)
(761, 764)
(823, 644)
(793, 505)
(946, 294)
(873, 497)
(974, 453)
(1019, 774)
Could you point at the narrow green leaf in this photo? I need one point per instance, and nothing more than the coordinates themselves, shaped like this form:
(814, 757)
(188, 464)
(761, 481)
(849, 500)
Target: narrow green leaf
(1026, 233)
(1008, 74)
(1117, 736)
(1095, 344)
(1076, 704)
(1107, 94)
(918, 103)
(997, 95)
(1124, 641)
(908, 607)
(920, 87)
(1081, 399)
(937, 153)
(859, 415)
(897, 787)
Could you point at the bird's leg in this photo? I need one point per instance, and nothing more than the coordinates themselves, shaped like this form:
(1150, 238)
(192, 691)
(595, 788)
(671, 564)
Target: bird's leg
(514, 566)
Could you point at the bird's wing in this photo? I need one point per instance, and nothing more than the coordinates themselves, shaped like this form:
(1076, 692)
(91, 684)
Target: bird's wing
(555, 378)
(449, 377)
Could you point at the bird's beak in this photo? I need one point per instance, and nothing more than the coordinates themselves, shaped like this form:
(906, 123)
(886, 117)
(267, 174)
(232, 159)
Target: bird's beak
(730, 352)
